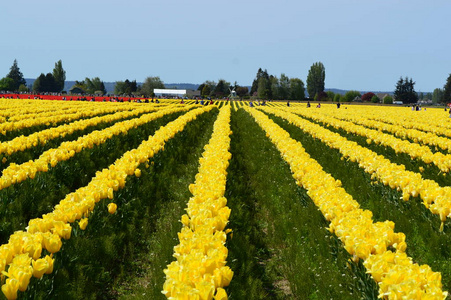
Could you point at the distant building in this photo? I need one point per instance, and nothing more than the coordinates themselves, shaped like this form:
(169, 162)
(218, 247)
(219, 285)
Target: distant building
(382, 96)
(176, 93)
(76, 90)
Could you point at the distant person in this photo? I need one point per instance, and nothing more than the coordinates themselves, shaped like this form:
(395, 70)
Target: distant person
(308, 104)
(338, 104)
(288, 103)
(252, 105)
(319, 105)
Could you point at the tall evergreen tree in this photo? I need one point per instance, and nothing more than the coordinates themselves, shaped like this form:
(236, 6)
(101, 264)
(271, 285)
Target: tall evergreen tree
(446, 98)
(151, 83)
(405, 91)
(284, 87)
(315, 79)
(16, 75)
(437, 96)
(45, 83)
(59, 75)
(221, 89)
(297, 89)
(255, 84)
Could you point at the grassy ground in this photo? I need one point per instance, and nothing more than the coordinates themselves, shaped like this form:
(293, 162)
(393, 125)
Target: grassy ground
(280, 247)
(139, 237)
(170, 175)
(426, 245)
(34, 152)
(34, 197)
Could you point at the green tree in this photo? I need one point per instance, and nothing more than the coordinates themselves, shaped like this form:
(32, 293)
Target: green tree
(405, 91)
(315, 79)
(446, 98)
(388, 100)
(284, 87)
(350, 96)
(151, 83)
(23, 88)
(297, 89)
(201, 87)
(6, 84)
(126, 87)
(256, 82)
(337, 98)
(45, 84)
(321, 96)
(274, 87)
(330, 96)
(206, 90)
(59, 75)
(437, 95)
(375, 99)
(92, 86)
(241, 91)
(95, 85)
(16, 76)
(221, 89)
(264, 86)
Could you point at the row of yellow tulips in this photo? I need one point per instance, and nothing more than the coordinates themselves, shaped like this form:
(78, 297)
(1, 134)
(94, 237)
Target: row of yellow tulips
(200, 271)
(434, 121)
(17, 173)
(13, 108)
(414, 150)
(397, 275)
(24, 247)
(57, 111)
(62, 116)
(436, 198)
(42, 137)
(426, 136)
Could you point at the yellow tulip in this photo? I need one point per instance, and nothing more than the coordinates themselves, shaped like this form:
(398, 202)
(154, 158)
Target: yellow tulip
(83, 223)
(49, 260)
(10, 288)
(40, 266)
(52, 243)
(112, 207)
(221, 294)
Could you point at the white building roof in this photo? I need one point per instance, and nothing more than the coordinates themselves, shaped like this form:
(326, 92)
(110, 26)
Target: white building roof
(169, 91)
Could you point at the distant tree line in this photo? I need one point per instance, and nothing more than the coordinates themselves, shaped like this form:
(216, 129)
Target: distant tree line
(265, 86)
(14, 81)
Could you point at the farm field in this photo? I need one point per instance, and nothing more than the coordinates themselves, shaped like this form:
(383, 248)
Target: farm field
(104, 200)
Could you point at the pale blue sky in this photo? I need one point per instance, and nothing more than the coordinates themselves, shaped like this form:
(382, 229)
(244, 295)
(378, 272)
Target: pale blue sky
(364, 45)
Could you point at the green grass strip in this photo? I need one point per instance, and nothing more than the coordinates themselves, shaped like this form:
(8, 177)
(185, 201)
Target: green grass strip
(280, 248)
(361, 237)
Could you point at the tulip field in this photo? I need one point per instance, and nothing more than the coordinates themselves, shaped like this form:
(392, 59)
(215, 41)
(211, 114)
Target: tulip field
(171, 200)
